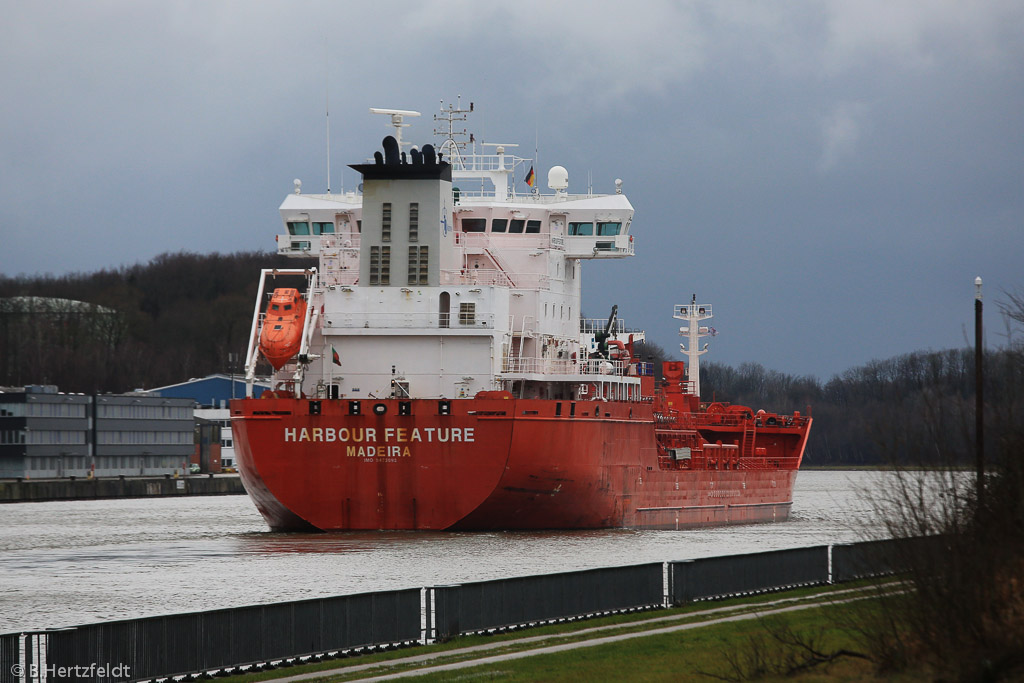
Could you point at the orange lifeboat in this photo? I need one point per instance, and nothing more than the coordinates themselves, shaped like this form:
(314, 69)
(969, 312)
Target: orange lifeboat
(281, 336)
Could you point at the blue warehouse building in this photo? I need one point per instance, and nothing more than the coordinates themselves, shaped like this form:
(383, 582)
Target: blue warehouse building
(212, 391)
(211, 395)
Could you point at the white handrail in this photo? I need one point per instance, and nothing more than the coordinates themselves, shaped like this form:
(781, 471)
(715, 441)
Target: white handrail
(308, 324)
(250, 361)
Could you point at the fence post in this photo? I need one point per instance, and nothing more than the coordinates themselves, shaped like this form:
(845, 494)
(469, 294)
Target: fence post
(447, 606)
(428, 627)
(678, 582)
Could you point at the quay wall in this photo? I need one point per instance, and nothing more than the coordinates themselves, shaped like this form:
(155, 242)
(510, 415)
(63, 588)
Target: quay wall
(78, 488)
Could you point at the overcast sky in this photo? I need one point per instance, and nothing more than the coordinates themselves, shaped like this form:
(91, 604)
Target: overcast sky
(831, 176)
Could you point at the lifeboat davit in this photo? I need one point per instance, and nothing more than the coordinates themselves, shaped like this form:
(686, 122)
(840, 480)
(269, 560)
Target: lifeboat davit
(281, 336)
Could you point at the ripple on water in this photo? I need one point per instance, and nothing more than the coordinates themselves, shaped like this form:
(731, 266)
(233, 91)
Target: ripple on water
(74, 562)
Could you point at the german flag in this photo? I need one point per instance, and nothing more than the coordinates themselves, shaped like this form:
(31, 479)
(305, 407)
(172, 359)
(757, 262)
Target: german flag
(531, 178)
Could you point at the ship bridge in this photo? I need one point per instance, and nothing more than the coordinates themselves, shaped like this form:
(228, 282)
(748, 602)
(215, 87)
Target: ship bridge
(439, 272)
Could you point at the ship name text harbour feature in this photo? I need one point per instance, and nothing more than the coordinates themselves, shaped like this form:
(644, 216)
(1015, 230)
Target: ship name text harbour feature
(440, 336)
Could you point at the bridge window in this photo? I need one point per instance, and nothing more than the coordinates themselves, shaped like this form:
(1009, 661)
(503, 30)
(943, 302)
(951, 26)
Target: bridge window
(323, 228)
(517, 225)
(298, 228)
(608, 228)
(474, 225)
(581, 228)
(499, 225)
(532, 226)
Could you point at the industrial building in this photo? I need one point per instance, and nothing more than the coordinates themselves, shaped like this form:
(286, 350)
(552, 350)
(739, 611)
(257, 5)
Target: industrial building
(45, 433)
(211, 394)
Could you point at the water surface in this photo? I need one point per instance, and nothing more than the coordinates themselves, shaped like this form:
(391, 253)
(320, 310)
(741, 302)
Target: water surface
(73, 562)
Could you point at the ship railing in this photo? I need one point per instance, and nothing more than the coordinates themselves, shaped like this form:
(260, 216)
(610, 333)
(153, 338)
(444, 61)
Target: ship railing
(684, 311)
(595, 325)
(714, 419)
(313, 245)
(338, 277)
(486, 162)
(486, 277)
(563, 366)
(343, 243)
(486, 240)
(736, 420)
(760, 462)
(420, 320)
(589, 246)
(713, 457)
(601, 366)
(297, 246)
(475, 276)
(527, 198)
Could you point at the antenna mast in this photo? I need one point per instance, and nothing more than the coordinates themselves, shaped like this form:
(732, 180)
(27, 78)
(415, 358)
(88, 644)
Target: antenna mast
(397, 116)
(536, 156)
(693, 314)
(449, 116)
(327, 112)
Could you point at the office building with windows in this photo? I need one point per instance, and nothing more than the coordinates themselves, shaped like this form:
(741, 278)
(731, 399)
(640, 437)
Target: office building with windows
(45, 433)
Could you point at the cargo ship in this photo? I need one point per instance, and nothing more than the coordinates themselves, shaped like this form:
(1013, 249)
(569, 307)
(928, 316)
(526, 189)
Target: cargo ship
(433, 371)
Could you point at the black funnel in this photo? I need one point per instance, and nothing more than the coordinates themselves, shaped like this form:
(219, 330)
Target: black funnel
(391, 157)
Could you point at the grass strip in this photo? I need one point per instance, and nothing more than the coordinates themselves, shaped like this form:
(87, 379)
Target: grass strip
(705, 653)
(472, 647)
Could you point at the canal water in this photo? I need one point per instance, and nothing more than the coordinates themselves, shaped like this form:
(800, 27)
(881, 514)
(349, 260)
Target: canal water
(76, 562)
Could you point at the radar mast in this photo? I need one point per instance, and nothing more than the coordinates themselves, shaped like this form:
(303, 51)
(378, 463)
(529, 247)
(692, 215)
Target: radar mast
(397, 117)
(693, 313)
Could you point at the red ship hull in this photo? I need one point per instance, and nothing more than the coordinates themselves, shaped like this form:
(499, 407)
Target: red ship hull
(493, 463)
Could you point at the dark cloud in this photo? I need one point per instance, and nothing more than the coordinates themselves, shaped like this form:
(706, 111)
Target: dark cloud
(831, 176)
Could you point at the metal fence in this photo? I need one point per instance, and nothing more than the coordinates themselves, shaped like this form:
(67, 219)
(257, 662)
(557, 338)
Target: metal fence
(180, 644)
(139, 649)
(890, 556)
(718, 577)
(470, 607)
(9, 659)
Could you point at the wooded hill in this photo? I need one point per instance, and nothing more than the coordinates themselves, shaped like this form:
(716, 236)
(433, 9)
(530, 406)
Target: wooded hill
(176, 317)
(180, 315)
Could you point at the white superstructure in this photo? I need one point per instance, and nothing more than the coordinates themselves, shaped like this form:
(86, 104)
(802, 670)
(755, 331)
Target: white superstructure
(443, 281)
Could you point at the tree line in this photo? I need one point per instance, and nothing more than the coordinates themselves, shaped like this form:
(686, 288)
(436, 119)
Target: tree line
(887, 411)
(141, 326)
(182, 314)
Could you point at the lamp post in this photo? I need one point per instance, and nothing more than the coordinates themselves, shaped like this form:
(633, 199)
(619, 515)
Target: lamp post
(979, 421)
